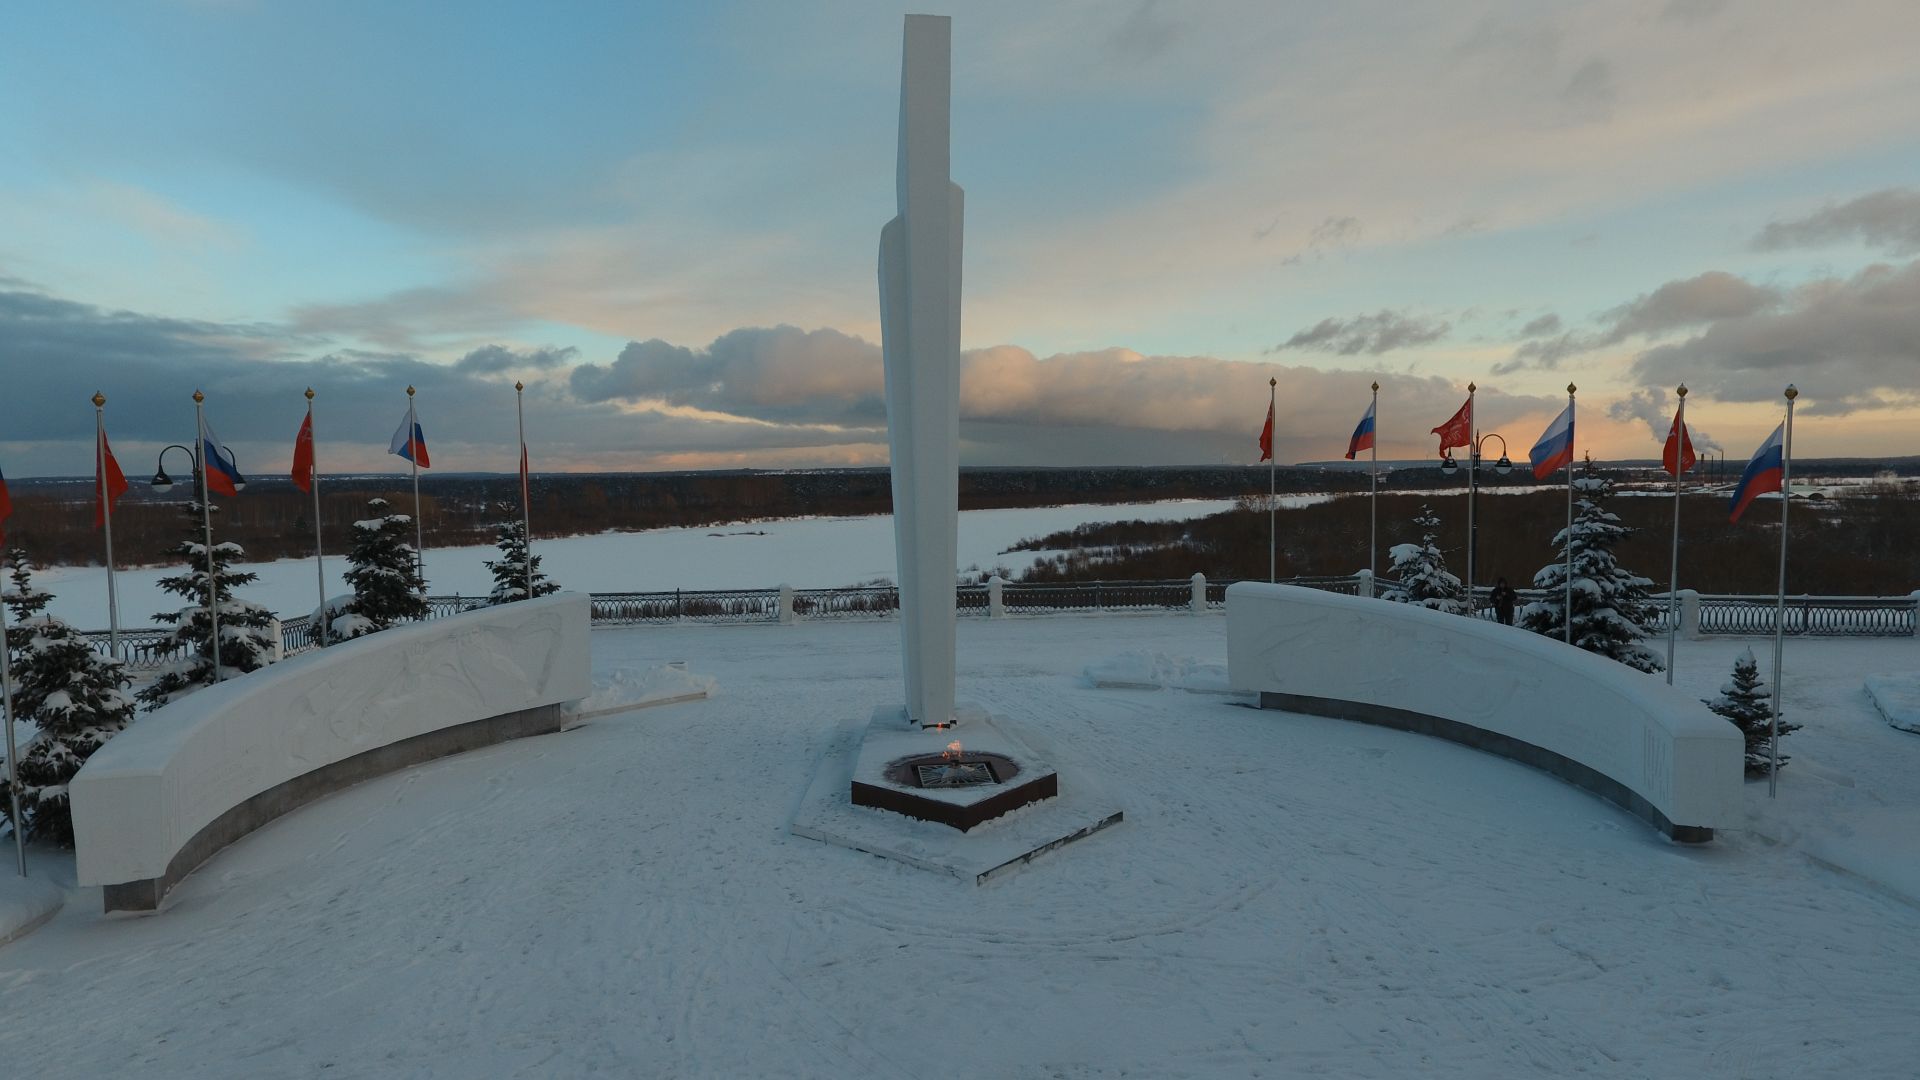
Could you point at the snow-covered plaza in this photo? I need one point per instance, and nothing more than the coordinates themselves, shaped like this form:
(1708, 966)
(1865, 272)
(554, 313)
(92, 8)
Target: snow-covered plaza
(1286, 896)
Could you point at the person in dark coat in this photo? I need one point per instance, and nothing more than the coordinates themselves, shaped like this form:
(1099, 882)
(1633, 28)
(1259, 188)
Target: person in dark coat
(1503, 601)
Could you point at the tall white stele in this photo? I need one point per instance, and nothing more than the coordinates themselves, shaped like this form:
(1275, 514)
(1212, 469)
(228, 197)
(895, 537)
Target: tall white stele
(920, 336)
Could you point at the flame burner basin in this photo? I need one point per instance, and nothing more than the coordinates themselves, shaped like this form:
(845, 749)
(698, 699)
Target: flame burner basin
(978, 787)
(970, 769)
(955, 774)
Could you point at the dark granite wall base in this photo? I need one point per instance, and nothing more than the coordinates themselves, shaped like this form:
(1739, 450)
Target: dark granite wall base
(1043, 786)
(146, 894)
(1573, 772)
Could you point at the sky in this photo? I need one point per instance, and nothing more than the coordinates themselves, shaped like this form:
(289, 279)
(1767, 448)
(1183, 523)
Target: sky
(663, 219)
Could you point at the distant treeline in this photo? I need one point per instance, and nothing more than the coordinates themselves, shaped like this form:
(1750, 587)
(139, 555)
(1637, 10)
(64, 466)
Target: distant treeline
(1850, 545)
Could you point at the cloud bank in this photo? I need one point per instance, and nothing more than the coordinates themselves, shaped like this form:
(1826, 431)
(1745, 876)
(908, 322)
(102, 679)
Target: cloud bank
(1381, 332)
(1888, 220)
(774, 396)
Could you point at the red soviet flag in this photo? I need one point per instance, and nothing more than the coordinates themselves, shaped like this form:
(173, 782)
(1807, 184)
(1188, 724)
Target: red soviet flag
(1678, 456)
(1457, 431)
(108, 481)
(1266, 435)
(524, 503)
(303, 455)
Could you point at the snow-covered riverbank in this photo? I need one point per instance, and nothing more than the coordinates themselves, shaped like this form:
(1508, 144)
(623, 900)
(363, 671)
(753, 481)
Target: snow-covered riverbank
(802, 552)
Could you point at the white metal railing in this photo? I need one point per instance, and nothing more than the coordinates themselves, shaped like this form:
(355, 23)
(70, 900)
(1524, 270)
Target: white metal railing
(1700, 615)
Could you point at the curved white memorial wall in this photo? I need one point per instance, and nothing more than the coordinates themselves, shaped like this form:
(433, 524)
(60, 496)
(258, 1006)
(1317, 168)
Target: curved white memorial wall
(1620, 733)
(190, 778)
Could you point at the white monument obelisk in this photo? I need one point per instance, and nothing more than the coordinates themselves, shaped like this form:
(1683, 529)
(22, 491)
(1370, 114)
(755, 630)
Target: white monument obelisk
(920, 336)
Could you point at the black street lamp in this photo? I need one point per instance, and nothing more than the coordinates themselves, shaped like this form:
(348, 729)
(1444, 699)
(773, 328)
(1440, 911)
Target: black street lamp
(1501, 467)
(162, 482)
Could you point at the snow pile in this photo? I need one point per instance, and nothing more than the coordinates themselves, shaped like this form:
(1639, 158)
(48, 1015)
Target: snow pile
(1898, 699)
(1881, 847)
(1145, 670)
(627, 688)
(25, 902)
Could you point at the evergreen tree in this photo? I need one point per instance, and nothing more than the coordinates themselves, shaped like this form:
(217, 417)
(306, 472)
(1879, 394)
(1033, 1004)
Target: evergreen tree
(1611, 615)
(385, 575)
(1422, 570)
(1746, 700)
(510, 570)
(74, 695)
(246, 630)
(24, 602)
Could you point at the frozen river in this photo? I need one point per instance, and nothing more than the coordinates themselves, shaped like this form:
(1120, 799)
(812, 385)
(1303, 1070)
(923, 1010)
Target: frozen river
(802, 552)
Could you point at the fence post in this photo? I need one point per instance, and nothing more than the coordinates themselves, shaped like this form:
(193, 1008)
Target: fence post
(786, 605)
(1689, 614)
(1365, 587)
(996, 597)
(1198, 603)
(1914, 628)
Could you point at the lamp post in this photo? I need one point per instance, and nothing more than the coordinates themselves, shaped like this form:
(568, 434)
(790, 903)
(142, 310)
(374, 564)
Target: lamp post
(162, 482)
(1502, 467)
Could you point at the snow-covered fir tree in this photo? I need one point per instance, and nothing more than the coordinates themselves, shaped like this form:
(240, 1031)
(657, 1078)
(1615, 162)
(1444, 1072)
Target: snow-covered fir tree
(1422, 570)
(1611, 615)
(246, 630)
(76, 697)
(385, 575)
(510, 569)
(1748, 702)
(24, 601)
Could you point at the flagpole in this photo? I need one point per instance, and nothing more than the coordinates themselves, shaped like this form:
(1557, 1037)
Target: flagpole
(13, 754)
(1272, 494)
(206, 525)
(1373, 501)
(419, 529)
(1780, 600)
(1567, 619)
(1679, 482)
(319, 556)
(1473, 487)
(106, 519)
(526, 511)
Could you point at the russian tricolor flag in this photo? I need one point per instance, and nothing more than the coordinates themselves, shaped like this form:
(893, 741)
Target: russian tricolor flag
(410, 442)
(1555, 448)
(1362, 435)
(223, 476)
(1763, 474)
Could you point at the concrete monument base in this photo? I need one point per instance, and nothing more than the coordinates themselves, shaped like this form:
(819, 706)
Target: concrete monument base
(885, 770)
(863, 798)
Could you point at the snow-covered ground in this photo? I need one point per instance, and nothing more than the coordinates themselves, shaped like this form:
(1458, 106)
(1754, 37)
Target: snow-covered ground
(1287, 896)
(802, 552)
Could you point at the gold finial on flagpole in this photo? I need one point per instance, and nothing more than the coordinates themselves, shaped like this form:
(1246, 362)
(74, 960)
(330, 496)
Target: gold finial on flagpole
(519, 386)
(1570, 388)
(198, 397)
(409, 391)
(1791, 392)
(1471, 388)
(99, 399)
(1683, 389)
(1273, 382)
(1376, 386)
(309, 393)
